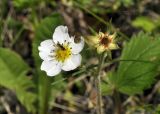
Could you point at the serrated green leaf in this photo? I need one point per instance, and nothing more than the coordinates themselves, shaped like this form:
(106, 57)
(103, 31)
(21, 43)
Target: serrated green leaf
(13, 76)
(44, 31)
(138, 73)
(106, 89)
(107, 84)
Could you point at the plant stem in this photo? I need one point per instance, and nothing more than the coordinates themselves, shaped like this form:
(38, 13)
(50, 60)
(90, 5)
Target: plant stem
(45, 94)
(117, 102)
(99, 96)
(98, 86)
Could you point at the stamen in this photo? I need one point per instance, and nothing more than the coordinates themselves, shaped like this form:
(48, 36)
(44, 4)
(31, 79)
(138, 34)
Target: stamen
(52, 51)
(62, 52)
(50, 55)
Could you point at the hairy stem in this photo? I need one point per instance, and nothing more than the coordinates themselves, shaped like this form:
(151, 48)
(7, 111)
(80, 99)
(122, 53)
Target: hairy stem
(98, 86)
(99, 96)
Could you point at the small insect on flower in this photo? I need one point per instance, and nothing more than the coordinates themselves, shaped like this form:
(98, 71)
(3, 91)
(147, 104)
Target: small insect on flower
(60, 53)
(103, 42)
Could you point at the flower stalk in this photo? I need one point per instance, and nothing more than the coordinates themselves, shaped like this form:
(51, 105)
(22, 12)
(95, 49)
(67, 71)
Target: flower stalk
(117, 102)
(98, 84)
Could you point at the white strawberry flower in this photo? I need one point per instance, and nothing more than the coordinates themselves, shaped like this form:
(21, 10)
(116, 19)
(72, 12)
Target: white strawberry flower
(60, 53)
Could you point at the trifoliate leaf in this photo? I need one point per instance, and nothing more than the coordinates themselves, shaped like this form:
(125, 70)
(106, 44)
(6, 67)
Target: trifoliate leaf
(141, 59)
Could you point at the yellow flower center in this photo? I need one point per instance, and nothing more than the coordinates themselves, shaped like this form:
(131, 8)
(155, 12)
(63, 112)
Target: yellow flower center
(63, 52)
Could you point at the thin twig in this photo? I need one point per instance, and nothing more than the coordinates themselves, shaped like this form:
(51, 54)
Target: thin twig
(77, 80)
(65, 108)
(6, 106)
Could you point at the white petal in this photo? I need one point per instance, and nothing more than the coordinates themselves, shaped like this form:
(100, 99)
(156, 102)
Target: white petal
(61, 34)
(52, 68)
(77, 47)
(46, 46)
(73, 62)
(46, 50)
(46, 56)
